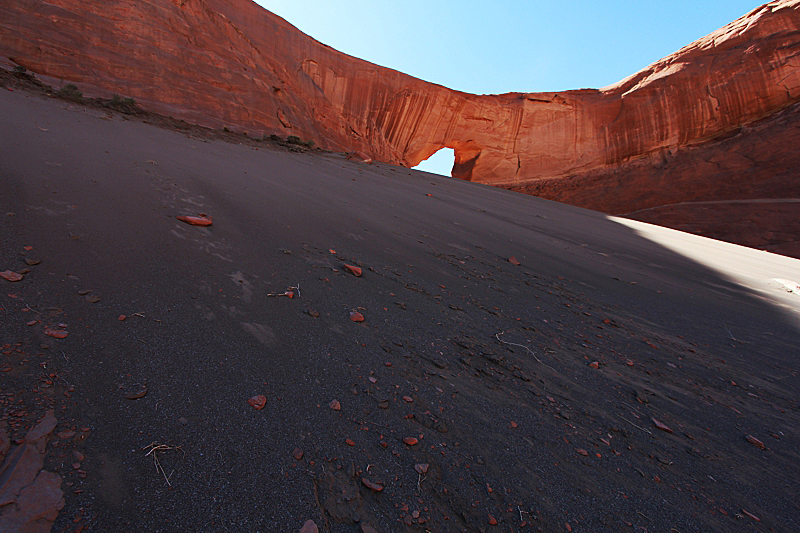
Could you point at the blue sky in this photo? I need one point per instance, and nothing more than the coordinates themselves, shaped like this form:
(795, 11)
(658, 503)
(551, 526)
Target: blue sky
(513, 45)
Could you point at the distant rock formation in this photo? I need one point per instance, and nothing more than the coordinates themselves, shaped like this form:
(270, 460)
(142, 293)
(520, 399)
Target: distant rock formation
(231, 63)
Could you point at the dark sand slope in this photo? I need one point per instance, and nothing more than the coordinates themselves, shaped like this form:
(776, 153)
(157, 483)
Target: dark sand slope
(692, 332)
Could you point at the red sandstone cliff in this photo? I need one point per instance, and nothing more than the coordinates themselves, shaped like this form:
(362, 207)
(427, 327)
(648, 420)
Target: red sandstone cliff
(232, 63)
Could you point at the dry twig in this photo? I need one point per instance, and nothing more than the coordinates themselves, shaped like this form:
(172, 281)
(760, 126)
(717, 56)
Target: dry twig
(497, 336)
(156, 447)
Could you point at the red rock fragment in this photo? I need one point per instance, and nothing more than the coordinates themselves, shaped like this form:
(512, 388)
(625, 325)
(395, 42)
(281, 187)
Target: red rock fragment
(661, 425)
(32, 323)
(354, 270)
(258, 402)
(349, 442)
(68, 434)
(755, 442)
(10, 276)
(629, 362)
(200, 220)
(512, 424)
(421, 468)
(309, 527)
(411, 441)
(492, 520)
(55, 333)
(297, 454)
(408, 399)
(375, 487)
(27, 248)
(513, 260)
(594, 364)
(583, 452)
(751, 515)
(335, 405)
(121, 318)
(566, 525)
(332, 251)
(355, 316)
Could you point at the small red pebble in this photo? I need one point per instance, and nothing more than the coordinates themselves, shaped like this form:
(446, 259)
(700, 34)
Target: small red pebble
(76, 466)
(297, 454)
(332, 251)
(258, 402)
(201, 220)
(428, 195)
(335, 405)
(387, 363)
(594, 364)
(411, 441)
(28, 248)
(121, 318)
(355, 316)
(755, 442)
(354, 270)
(55, 333)
(32, 323)
(513, 261)
(421, 468)
(566, 525)
(583, 452)
(512, 424)
(492, 520)
(661, 425)
(376, 487)
(349, 442)
(408, 399)
(629, 362)
(10, 276)
(289, 294)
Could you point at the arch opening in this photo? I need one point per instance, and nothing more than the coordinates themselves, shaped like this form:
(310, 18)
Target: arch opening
(441, 162)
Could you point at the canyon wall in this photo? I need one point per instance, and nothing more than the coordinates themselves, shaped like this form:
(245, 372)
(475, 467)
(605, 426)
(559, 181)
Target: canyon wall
(232, 63)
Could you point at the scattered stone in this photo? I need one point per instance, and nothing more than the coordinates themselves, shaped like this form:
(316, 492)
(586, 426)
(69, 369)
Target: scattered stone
(121, 317)
(200, 220)
(492, 521)
(355, 316)
(594, 364)
(411, 441)
(92, 298)
(68, 434)
(55, 333)
(297, 454)
(512, 424)
(755, 442)
(383, 404)
(32, 323)
(513, 261)
(408, 399)
(349, 442)
(661, 425)
(10, 276)
(32, 262)
(84, 292)
(335, 405)
(312, 313)
(421, 468)
(375, 487)
(309, 527)
(141, 393)
(258, 402)
(354, 270)
(581, 451)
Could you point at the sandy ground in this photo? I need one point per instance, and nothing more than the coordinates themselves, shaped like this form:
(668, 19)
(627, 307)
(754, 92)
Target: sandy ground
(486, 363)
